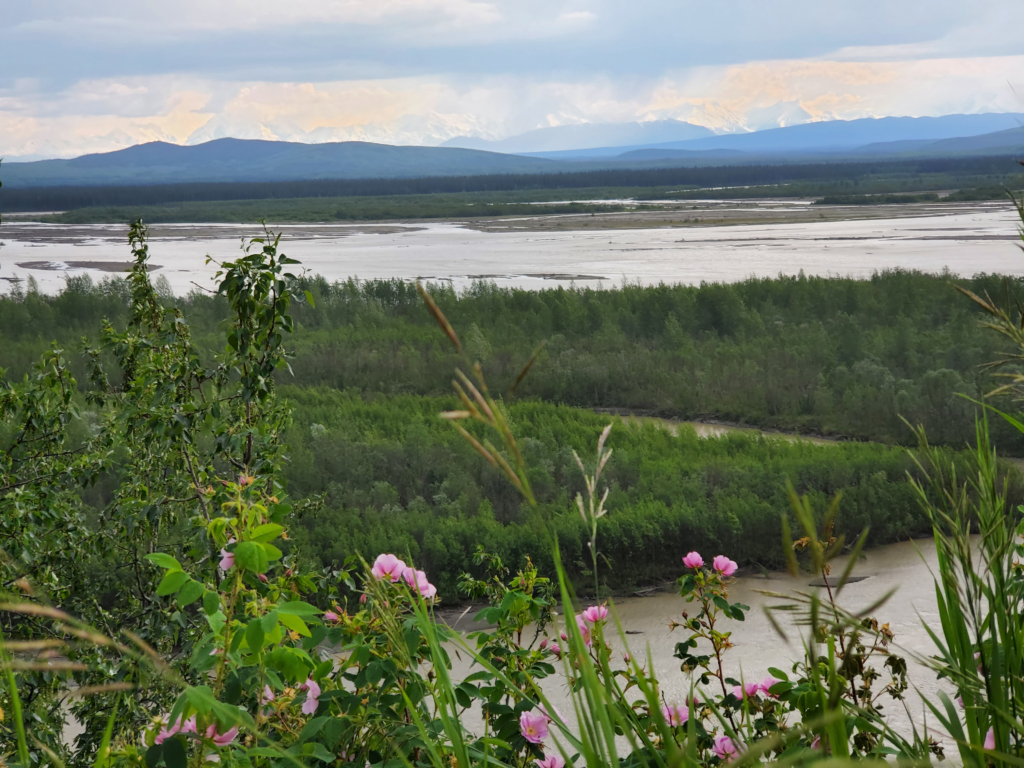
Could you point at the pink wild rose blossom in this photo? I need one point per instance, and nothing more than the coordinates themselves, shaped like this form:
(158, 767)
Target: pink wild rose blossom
(675, 716)
(725, 747)
(693, 560)
(312, 696)
(595, 613)
(751, 689)
(990, 739)
(724, 565)
(550, 761)
(387, 566)
(584, 629)
(330, 616)
(533, 726)
(417, 580)
(766, 685)
(189, 726)
(221, 739)
(227, 559)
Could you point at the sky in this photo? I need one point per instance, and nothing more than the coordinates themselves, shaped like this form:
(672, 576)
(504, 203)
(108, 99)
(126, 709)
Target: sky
(78, 77)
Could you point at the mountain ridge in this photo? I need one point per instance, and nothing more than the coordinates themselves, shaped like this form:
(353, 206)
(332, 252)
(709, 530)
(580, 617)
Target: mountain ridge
(262, 160)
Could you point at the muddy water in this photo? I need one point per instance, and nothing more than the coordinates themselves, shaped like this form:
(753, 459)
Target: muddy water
(903, 569)
(964, 239)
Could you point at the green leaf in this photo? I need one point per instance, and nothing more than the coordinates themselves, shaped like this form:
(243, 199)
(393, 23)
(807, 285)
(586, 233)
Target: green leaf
(312, 728)
(309, 299)
(174, 753)
(211, 602)
(320, 752)
(201, 698)
(216, 621)
(293, 663)
(267, 532)
(272, 552)
(269, 622)
(250, 556)
(294, 623)
(191, 592)
(171, 583)
(164, 561)
(297, 608)
(254, 635)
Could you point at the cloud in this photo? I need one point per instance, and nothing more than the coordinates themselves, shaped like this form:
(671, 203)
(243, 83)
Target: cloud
(99, 74)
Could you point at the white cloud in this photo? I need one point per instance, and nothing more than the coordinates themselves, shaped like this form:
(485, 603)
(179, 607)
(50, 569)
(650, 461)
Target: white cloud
(423, 71)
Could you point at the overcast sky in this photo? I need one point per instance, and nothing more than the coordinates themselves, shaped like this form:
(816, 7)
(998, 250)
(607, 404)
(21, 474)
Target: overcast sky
(99, 75)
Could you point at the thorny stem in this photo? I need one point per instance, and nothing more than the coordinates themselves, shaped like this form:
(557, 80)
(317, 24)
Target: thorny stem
(842, 642)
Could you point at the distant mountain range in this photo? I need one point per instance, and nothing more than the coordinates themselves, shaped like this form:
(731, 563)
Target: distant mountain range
(254, 160)
(587, 135)
(231, 159)
(827, 137)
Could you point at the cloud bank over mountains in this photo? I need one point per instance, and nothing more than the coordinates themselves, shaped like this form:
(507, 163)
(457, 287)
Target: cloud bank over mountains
(101, 75)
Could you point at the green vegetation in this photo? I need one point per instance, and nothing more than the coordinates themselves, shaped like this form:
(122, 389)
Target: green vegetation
(332, 209)
(397, 478)
(827, 355)
(919, 197)
(180, 625)
(458, 197)
(369, 373)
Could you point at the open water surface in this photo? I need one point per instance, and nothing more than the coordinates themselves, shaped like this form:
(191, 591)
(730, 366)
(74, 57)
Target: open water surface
(964, 241)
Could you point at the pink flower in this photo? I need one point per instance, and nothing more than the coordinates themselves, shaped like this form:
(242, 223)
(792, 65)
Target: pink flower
(693, 560)
(221, 739)
(189, 726)
(725, 747)
(724, 565)
(389, 566)
(268, 693)
(533, 726)
(751, 690)
(550, 761)
(766, 686)
(362, 599)
(417, 580)
(626, 658)
(675, 716)
(556, 649)
(312, 694)
(544, 644)
(581, 624)
(262, 577)
(816, 744)
(564, 636)
(595, 613)
(990, 739)
(227, 559)
(960, 701)
(330, 616)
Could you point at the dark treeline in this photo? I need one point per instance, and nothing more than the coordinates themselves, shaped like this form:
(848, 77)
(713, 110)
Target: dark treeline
(67, 198)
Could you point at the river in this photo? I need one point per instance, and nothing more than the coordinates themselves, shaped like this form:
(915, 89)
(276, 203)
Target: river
(965, 239)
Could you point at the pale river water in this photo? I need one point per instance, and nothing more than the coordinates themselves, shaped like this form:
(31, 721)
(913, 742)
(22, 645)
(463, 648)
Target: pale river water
(964, 240)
